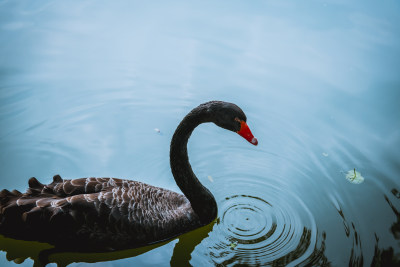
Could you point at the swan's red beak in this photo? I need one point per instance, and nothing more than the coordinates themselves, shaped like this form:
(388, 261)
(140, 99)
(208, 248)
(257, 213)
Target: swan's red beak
(246, 133)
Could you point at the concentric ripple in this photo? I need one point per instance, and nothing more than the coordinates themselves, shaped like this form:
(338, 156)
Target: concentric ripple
(266, 224)
(245, 220)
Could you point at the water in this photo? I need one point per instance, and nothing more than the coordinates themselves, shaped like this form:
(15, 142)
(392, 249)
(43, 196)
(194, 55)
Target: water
(84, 88)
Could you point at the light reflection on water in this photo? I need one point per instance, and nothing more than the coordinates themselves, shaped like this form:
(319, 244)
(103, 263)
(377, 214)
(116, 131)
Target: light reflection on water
(83, 87)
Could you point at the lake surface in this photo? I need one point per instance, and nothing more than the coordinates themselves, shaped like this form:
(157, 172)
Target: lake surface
(97, 89)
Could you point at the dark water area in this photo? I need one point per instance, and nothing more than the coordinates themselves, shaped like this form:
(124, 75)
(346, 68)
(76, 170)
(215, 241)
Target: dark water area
(97, 89)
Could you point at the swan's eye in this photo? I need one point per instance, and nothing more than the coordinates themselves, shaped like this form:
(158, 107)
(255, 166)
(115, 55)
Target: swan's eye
(240, 123)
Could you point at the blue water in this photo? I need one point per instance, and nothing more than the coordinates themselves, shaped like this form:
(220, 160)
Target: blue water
(96, 88)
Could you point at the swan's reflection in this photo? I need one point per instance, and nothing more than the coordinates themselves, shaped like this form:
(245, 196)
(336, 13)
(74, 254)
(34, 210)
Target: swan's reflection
(41, 253)
(187, 243)
(388, 256)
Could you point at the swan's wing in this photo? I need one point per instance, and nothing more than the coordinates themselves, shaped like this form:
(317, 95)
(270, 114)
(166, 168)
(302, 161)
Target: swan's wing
(64, 188)
(45, 208)
(96, 211)
(44, 216)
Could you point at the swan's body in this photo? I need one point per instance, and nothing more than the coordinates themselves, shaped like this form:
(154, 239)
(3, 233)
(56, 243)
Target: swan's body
(99, 212)
(110, 213)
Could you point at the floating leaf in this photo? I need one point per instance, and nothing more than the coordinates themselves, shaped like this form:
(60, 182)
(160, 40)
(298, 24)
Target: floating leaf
(210, 178)
(354, 177)
(234, 244)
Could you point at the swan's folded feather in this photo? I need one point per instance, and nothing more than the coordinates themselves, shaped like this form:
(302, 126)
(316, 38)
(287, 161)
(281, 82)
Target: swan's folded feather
(99, 212)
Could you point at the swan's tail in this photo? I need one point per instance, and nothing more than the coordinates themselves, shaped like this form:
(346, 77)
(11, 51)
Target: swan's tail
(10, 211)
(7, 202)
(56, 211)
(21, 214)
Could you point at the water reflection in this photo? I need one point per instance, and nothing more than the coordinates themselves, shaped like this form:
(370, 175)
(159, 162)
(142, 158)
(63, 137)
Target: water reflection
(187, 243)
(384, 257)
(387, 256)
(42, 253)
(356, 255)
(395, 229)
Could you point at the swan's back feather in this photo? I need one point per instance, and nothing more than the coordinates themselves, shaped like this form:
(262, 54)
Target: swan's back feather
(95, 212)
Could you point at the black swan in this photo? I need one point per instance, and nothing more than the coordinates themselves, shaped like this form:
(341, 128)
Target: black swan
(103, 214)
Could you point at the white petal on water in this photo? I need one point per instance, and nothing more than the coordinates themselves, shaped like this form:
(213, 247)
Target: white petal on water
(354, 177)
(210, 178)
(157, 130)
(325, 154)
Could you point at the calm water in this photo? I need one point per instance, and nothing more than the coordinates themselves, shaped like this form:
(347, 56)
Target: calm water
(97, 88)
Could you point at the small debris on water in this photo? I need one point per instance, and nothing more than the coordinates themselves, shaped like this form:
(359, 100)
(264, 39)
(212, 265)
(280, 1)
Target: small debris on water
(234, 244)
(325, 154)
(354, 177)
(210, 178)
(157, 130)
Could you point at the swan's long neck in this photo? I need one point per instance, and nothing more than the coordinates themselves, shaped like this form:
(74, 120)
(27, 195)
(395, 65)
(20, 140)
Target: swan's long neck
(201, 199)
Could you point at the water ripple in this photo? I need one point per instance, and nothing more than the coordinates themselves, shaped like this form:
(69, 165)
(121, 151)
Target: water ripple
(262, 225)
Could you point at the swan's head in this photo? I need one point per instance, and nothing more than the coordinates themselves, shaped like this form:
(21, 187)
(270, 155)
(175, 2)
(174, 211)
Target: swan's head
(229, 116)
